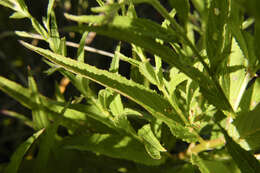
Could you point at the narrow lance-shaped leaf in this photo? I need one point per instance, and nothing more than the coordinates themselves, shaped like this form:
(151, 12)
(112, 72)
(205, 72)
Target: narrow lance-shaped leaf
(54, 40)
(49, 11)
(128, 29)
(40, 118)
(20, 117)
(47, 144)
(244, 159)
(18, 156)
(74, 112)
(114, 66)
(218, 15)
(80, 82)
(206, 166)
(150, 100)
(248, 127)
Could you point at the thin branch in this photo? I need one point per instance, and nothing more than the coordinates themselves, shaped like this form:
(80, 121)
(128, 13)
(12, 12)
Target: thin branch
(68, 43)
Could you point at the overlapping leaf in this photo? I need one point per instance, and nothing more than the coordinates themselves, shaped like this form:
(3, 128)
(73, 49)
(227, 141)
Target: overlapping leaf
(115, 146)
(20, 153)
(73, 114)
(150, 100)
(248, 127)
(244, 159)
(128, 29)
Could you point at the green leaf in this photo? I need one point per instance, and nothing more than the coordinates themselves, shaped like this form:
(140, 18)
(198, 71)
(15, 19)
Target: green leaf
(148, 71)
(150, 100)
(109, 9)
(199, 5)
(206, 166)
(182, 7)
(81, 51)
(47, 142)
(248, 127)
(129, 29)
(105, 98)
(236, 20)
(176, 78)
(251, 98)
(238, 78)
(54, 40)
(72, 115)
(114, 66)
(116, 105)
(38, 28)
(49, 11)
(244, 159)
(139, 26)
(218, 15)
(151, 143)
(8, 4)
(22, 5)
(115, 146)
(18, 15)
(21, 117)
(40, 118)
(20, 152)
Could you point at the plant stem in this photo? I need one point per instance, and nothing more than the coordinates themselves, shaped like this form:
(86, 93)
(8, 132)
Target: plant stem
(156, 4)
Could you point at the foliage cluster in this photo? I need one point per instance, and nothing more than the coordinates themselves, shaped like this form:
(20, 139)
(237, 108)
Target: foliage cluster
(190, 80)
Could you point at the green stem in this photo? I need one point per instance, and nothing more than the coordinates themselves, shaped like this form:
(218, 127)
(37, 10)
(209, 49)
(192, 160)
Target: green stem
(156, 4)
(174, 105)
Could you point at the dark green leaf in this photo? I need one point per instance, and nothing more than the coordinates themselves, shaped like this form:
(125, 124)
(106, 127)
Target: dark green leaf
(20, 152)
(244, 159)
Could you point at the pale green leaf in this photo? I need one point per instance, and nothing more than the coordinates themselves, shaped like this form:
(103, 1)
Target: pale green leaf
(176, 78)
(108, 9)
(151, 143)
(17, 15)
(7, 3)
(63, 47)
(49, 11)
(115, 146)
(114, 66)
(81, 52)
(21, 117)
(105, 97)
(148, 71)
(199, 5)
(238, 79)
(40, 118)
(116, 105)
(20, 152)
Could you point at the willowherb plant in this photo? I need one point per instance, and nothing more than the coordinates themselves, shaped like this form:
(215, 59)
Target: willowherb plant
(202, 98)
